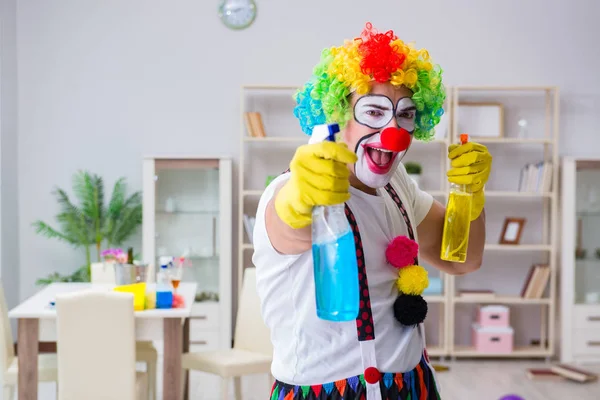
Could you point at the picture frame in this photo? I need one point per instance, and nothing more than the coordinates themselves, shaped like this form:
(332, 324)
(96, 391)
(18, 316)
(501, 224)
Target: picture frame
(512, 230)
(481, 120)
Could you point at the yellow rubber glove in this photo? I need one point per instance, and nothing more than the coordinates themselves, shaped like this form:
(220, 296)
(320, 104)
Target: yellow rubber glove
(319, 177)
(470, 164)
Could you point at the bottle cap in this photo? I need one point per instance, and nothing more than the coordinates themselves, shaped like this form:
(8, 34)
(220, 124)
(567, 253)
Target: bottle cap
(464, 138)
(324, 132)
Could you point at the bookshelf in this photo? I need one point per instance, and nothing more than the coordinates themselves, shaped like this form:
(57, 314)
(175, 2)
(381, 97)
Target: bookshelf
(507, 265)
(270, 155)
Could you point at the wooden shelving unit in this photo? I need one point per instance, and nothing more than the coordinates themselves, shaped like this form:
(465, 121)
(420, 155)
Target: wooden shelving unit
(448, 300)
(546, 250)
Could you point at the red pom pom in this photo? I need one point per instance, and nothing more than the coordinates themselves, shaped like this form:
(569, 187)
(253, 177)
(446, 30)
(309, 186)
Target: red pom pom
(379, 58)
(401, 252)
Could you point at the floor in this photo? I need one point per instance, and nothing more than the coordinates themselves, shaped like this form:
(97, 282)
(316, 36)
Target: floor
(466, 380)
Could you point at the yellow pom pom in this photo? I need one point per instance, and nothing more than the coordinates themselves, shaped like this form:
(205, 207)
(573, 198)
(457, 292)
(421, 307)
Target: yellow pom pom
(412, 280)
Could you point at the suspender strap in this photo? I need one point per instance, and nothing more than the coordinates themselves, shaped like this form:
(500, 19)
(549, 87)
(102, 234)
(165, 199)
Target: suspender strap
(364, 322)
(398, 202)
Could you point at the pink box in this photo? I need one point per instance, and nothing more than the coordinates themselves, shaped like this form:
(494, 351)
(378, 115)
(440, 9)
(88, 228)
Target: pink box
(493, 316)
(493, 339)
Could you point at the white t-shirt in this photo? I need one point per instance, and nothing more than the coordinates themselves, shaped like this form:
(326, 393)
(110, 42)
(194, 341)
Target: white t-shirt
(309, 350)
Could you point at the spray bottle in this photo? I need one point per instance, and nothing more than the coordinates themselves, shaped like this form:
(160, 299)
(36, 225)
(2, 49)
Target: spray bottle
(457, 224)
(334, 254)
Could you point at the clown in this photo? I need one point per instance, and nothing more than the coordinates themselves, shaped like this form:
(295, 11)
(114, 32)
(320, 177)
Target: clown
(384, 94)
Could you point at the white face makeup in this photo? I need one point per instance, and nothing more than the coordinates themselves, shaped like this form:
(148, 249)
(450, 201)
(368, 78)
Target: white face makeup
(376, 165)
(376, 111)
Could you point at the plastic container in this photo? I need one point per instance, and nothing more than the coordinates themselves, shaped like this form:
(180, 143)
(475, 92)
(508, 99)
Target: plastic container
(139, 294)
(492, 339)
(164, 291)
(334, 256)
(457, 223)
(491, 315)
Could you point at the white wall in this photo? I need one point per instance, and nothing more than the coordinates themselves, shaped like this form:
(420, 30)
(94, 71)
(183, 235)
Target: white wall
(9, 218)
(101, 83)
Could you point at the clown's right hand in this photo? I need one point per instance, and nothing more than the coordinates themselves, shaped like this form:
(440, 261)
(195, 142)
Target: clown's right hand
(318, 177)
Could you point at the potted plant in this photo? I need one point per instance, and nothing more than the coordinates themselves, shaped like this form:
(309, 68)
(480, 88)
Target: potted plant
(414, 170)
(92, 223)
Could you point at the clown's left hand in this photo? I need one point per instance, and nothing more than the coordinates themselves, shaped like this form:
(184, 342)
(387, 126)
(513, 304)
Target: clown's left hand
(470, 164)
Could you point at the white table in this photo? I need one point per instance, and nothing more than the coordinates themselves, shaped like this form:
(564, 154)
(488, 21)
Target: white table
(37, 320)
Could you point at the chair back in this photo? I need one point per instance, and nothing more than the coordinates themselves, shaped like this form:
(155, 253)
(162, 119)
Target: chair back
(7, 349)
(96, 346)
(251, 333)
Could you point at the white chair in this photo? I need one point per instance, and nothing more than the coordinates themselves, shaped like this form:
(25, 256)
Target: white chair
(96, 347)
(145, 352)
(252, 352)
(47, 369)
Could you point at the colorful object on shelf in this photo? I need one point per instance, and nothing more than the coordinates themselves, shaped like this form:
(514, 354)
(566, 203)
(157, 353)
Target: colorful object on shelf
(164, 293)
(492, 333)
(150, 300)
(402, 252)
(355, 65)
(178, 301)
(139, 294)
(114, 255)
(493, 315)
(492, 339)
(410, 308)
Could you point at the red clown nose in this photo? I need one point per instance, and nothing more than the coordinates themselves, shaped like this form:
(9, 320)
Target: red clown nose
(395, 139)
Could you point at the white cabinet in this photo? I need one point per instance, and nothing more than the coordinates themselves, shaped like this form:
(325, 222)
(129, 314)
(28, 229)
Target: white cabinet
(580, 254)
(187, 212)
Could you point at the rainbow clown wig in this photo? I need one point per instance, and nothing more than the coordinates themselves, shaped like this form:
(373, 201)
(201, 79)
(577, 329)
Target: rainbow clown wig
(352, 67)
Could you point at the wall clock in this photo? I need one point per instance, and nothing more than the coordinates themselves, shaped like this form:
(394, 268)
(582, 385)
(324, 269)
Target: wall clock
(237, 14)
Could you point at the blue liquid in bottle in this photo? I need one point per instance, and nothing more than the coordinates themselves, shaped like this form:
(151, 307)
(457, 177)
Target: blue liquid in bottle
(336, 279)
(164, 294)
(334, 256)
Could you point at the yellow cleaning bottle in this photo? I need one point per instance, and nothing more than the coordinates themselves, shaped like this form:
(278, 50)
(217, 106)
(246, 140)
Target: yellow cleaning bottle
(457, 224)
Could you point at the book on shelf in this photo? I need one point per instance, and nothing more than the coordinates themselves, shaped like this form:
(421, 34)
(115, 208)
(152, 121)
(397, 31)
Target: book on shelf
(249, 226)
(536, 177)
(536, 281)
(573, 373)
(254, 124)
(545, 374)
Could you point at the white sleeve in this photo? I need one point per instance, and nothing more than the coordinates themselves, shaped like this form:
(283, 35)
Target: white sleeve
(265, 255)
(420, 200)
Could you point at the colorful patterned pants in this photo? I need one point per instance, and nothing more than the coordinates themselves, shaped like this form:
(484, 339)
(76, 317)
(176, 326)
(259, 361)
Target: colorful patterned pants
(417, 384)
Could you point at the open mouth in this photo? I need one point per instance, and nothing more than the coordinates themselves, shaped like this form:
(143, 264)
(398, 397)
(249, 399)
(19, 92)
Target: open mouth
(379, 160)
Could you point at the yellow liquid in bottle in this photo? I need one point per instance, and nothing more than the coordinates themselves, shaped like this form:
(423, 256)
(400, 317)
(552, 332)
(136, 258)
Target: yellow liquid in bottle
(455, 239)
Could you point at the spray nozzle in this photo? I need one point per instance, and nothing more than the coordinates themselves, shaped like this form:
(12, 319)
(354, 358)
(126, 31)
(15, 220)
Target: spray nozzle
(464, 138)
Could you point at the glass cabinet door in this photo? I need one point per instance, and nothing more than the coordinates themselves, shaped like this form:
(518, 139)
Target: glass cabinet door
(587, 242)
(186, 215)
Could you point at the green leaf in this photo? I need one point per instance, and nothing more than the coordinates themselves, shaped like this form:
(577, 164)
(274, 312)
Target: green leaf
(88, 221)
